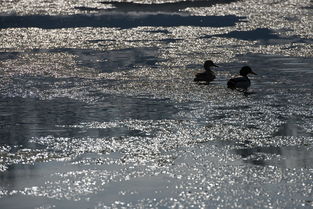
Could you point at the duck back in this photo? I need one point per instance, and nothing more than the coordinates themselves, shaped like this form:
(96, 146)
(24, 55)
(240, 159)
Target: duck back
(241, 82)
(205, 76)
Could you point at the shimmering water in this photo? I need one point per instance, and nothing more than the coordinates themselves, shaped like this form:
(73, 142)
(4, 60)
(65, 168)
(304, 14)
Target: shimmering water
(99, 109)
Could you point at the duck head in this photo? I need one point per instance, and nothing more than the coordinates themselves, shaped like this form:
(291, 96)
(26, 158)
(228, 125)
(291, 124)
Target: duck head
(246, 70)
(208, 64)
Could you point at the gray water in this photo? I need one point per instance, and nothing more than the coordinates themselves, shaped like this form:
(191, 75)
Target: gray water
(99, 109)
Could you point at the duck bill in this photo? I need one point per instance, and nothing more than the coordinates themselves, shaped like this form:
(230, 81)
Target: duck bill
(215, 65)
(253, 73)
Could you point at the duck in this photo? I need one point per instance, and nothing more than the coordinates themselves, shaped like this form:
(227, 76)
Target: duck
(208, 75)
(241, 82)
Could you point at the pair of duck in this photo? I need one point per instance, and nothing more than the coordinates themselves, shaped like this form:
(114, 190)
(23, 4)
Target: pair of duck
(240, 82)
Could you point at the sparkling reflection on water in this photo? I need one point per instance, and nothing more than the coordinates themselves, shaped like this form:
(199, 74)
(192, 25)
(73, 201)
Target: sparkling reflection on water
(98, 106)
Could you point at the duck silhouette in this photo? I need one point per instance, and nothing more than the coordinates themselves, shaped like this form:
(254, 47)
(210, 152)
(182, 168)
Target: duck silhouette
(241, 82)
(208, 75)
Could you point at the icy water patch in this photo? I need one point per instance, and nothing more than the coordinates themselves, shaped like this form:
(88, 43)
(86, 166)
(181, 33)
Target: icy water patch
(156, 138)
(199, 175)
(108, 116)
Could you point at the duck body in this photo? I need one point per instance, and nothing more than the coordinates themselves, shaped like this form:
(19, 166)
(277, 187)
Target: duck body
(241, 82)
(208, 75)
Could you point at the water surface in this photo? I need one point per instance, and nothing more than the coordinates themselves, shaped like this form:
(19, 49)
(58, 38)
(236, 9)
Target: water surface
(99, 109)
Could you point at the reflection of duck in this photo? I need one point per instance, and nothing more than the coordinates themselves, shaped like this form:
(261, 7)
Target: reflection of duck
(241, 82)
(208, 75)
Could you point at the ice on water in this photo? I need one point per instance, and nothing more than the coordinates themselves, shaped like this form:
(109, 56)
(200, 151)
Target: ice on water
(99, 109)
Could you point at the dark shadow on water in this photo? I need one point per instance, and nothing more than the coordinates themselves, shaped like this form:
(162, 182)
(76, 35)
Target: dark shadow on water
(247, 152)
(253, 35)
(287, 156)
(103, 61)
(116, 20)
(290, 129)
(264, 35)
(257, 34)
(162, 7)
(8, 55)
(114, 60)
(21, 119)
(158, 31)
